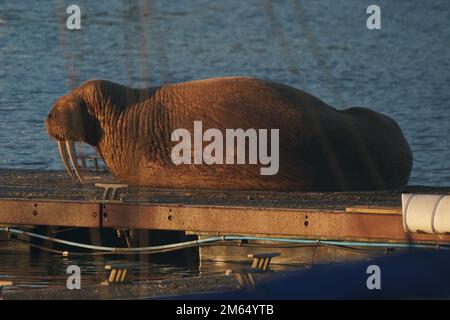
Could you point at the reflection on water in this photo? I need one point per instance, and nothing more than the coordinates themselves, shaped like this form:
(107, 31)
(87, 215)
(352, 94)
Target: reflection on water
(49, 270)
(34, 268)
(32, 271)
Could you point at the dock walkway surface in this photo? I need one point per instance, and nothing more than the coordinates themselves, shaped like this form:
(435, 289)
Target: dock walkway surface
(30, 197)
(57, 185)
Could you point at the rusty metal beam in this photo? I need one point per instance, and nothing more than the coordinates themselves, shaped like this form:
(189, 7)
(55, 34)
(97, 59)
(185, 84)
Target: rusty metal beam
(337, 225)
(52, 213)
(301, 223)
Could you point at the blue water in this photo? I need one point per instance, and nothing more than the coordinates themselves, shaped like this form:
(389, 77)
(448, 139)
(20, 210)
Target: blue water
(322, 47)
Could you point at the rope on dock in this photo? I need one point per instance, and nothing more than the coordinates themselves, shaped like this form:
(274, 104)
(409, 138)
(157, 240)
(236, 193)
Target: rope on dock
(224, 239)
(110, 249)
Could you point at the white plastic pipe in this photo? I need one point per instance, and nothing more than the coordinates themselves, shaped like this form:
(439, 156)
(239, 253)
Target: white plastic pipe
(426, 213)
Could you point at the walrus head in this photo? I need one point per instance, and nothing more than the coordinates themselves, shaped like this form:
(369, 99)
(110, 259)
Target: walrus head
(71, 120)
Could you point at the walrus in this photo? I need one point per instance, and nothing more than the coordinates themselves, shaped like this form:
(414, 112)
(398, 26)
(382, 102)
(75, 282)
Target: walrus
(320, 148)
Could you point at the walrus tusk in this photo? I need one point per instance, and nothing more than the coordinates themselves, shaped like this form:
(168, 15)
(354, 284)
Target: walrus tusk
(64, 158)
(73, 159)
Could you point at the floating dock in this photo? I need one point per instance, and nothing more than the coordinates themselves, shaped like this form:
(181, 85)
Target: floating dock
(50, 198)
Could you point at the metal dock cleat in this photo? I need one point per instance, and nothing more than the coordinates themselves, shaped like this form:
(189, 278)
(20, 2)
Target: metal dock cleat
(110, 192)
(261, 263)
(117, 273)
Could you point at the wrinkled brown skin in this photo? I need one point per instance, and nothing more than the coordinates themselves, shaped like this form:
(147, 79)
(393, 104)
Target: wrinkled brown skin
(321, 148)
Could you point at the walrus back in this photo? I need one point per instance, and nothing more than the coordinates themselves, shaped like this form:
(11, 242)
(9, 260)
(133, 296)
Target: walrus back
(320, 148)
